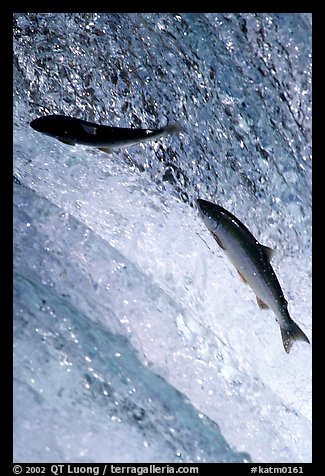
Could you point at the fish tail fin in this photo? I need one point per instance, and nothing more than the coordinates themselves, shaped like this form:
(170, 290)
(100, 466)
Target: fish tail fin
(174, 128)
(290, 333)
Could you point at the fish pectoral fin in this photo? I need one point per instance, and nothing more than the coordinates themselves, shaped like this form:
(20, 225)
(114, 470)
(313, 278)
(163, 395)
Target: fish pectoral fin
(90, 129)
(242, 277)
(67, 141)
(261, 304)
(107, 150)
(269, 252)
(218, 241)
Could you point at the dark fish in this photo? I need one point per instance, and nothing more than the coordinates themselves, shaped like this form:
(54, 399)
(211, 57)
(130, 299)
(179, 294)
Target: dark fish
(71, 130)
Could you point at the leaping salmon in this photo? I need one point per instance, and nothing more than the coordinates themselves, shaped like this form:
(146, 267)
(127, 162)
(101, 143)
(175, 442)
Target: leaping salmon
(71, 130)
(252, 261)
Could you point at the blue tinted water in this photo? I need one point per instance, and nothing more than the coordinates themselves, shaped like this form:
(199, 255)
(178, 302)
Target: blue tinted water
(134, 339)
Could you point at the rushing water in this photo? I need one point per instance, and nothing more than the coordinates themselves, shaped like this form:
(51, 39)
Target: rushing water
(134, 339)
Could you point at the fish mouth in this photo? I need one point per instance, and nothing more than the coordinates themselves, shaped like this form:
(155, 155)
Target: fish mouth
(200, 203)
(204, 206)
(35, 125)
(39, 125)
(208, 214)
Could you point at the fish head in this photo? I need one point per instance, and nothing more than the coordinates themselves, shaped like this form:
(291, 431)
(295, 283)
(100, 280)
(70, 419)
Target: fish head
(210, 213)
(60, 127)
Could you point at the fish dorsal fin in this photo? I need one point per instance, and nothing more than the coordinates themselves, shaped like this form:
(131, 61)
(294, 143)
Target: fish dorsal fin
(261, 304)
(269, 252)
